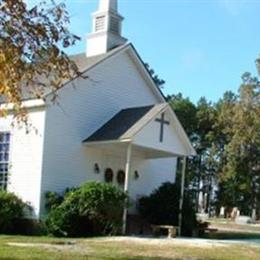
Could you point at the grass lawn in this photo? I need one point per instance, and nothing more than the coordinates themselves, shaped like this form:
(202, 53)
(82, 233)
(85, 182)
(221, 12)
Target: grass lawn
(227, 223)
(228, 229)
(232, 235)
(116, 248)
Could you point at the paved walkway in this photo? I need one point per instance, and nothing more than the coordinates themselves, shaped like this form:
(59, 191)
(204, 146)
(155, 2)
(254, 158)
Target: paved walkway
(196, 242)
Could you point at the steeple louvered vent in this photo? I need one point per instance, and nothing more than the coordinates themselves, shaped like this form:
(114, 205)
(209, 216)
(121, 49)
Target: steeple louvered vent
(114, 25)
(100, 23)
(106, 29)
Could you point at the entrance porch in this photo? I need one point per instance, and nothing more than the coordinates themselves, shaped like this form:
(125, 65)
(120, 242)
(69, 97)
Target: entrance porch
(140, 147)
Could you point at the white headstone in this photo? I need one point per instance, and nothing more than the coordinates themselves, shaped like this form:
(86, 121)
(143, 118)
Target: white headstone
(234, 213)
(243, 220)
(202, 217)
(254, 214)
(222, 212)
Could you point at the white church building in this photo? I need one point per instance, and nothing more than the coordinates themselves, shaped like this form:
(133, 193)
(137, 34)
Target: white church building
(112, 126)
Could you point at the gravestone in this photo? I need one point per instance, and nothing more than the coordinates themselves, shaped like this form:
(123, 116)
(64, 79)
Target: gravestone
(254, 215)
(243, 220)
(234, 213)
(202, 217)
(222, 212)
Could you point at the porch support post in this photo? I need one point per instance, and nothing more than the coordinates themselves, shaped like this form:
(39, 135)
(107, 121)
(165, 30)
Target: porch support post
(182, 192)
(126, 186)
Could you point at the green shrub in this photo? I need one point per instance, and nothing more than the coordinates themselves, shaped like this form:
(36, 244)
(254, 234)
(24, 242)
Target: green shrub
(53, 200)
(93, 209)
(162, 208)
(11, 212)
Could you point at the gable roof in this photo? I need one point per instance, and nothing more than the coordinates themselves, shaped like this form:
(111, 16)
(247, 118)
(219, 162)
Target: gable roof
(85, 64)
(128, 122)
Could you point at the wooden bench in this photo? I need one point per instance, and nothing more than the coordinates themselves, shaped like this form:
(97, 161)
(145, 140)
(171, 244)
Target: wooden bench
(172, 230)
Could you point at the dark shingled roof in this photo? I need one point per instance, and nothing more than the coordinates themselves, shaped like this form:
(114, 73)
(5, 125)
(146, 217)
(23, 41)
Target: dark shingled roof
(119, 124)
(83, 62)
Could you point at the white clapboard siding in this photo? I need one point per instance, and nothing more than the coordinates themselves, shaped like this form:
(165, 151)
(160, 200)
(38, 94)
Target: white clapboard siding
(55, 158)
(113, 85)
(26, 152)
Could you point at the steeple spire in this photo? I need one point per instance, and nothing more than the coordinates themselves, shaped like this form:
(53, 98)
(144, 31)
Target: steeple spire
(108, 5)
(106, 30)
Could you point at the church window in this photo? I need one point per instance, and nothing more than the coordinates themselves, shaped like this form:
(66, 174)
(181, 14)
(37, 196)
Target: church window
(100, 23)
(114, 25)
(121, 177)
(109, 175)
(4, 159)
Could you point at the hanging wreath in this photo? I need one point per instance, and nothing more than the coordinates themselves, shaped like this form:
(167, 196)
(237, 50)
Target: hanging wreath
(109, 175)
(120, 177)
(136, 175)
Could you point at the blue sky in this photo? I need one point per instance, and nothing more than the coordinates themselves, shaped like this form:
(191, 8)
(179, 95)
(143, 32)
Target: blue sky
(200, 48)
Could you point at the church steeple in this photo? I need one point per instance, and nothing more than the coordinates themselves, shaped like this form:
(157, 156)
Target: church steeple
(106, 29)
(107, 5)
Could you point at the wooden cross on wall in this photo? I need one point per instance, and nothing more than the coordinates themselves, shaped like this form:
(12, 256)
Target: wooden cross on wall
(163, 122)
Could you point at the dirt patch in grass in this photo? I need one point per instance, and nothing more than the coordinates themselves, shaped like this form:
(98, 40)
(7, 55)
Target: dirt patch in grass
(125, 248)
(201, 243)
(71, 247)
